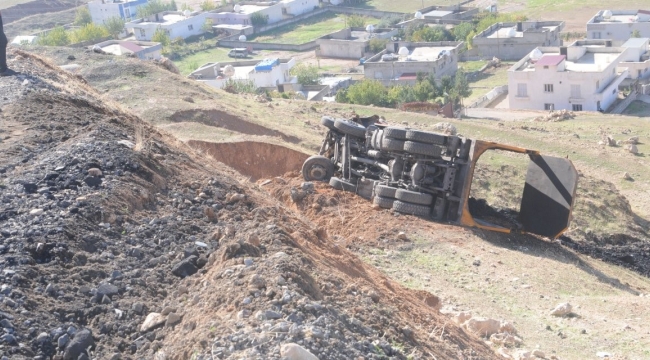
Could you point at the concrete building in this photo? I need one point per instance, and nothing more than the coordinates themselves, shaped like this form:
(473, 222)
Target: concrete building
(272, 10)
(578, 77)
(350, 43)
(619, 24)
(512, 41)
(404, 61)
(298, 7)
(143, 50)
(636, 59)
(265, 73)
(175, 23)
(101, 10)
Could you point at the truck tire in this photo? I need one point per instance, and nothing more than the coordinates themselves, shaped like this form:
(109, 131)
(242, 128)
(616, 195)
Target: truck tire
(340, 184)
(385, 191)
(395, 133)
(328, 122)
(382, 202)
(389, 144)
(350, 128)
(426, 137)
(411, 209)
(413, 197)
(317, 168)
(422, 148)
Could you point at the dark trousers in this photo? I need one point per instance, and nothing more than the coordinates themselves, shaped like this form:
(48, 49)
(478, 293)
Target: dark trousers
(3, 51)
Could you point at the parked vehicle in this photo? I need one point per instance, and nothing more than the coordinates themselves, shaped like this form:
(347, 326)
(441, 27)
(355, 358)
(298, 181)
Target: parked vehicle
(238, 53)
(430, 175)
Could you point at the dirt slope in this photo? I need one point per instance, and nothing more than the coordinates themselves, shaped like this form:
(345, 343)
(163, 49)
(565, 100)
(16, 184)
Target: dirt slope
(105, 222)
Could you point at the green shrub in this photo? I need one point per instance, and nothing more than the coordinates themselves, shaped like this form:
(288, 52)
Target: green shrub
(56, 37)
(83, 16)
(88, 32)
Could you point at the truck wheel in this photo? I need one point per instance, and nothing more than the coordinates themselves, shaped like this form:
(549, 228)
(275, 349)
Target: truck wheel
(385, 191)
(350, 128)
(413, 197)
(426, 137)
(395, 133)
(411, 209)
(317, 168)
(340, 184)
(382, 202)
(422, 148)
(328, 122)
(389, 144)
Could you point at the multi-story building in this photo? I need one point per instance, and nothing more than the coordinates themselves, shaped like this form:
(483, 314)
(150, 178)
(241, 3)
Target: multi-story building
(619, 24)
(351, 43)
(512, 41)
(579, 77)
(101, 10)
(175, 23)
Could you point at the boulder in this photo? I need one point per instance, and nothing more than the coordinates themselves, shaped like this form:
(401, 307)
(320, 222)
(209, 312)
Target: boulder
(482, 326)
(632, 149)
(78, 346)
(185, 267)
(152, 321)
(562, 309)
(293, 351)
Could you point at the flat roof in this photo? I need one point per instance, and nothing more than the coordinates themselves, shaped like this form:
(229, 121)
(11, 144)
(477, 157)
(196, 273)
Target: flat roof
(249, 9)
(635, 42)
(438, 13)
(551, 60)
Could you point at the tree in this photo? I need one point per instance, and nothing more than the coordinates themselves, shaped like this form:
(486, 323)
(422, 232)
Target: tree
(56, 37)
(636, 34)
(376, 45)
(369, 92)
(207, 5)
(461, 88)
(423, 91)
(258, 19)
(306, 74)
(461, 31)
(155, 7)
(207, 25)
(356, 21)
(431, 34)
(115, 26)
(82, 16)
(173, 6)
(89, 32)
(162, 37)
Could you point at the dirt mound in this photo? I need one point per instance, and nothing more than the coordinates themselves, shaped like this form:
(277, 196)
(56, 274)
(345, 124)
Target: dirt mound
(230, 122)
(253, 159)
(20, 11)
(120, 241)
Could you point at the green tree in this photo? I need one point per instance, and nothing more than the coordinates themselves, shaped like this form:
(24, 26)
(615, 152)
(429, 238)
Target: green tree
(162, 37)
(207, 5)
(487, 19)
(389, 21)
(369, 92)
(114, 25)
(83, 16)
(460, 89)
(357, 21)
(376, 45)
(173, 6)
(431, 34)
(258, 19)
(155, 7)
(461, 31)
(207, 25)
(636, 34)
(306, 74)
(89, 32)
(56, 37)
(424, 91)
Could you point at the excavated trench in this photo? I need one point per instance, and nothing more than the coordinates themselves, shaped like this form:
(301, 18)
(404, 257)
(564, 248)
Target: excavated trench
(254, 159)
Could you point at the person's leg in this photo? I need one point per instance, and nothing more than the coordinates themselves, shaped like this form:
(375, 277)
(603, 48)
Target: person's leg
(3, 52)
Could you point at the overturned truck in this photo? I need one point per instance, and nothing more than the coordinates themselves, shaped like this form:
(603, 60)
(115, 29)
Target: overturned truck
(430, 175)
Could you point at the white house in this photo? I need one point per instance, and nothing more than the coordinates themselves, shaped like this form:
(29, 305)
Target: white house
(578, 77)
(175, 23)
(241, 14)
(298, 7)
(143, 50)
(619, 24)
(265, 73)
(512, 41)
(637, 58)
(101, 10)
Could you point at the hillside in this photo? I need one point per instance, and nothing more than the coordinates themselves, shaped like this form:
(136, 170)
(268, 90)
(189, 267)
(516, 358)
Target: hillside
(119, 240)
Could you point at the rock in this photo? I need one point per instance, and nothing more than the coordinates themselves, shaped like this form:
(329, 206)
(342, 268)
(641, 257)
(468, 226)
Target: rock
(562, 309)
(632, 141)
(172, 319)
(137, 308)
(6, 324)
(107, 289)
(30, 188)
(504, 339)
(63, 340)
(168, 310)
(256, 281)
(272, 315)
(8, 339)
(507, 327)
(126, 143)
(36, 212)
(248, 262)
(627, 176)
(292, 351)
(446, 128)
(307, 186)
(482, 326)
(93, 181)
(610, 141)
(185, 267)
(476, 262)
(82, 340)
(523, 355)
(539, 354)
(461, 317)
(94, 172)
(152, 321)
(632, 149)
(43, 338)
(603, 354)
(402, 235)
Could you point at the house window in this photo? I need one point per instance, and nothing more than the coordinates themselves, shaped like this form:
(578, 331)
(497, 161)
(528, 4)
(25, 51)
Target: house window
(577, 107)
(548, 88)
(127, 12)
(575, 91)
(190, 27)
(549, 107)
(596, 34)
(597, 84)
(142, 33)
(522, 90)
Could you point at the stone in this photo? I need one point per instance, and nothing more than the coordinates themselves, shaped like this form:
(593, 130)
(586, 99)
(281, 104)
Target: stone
(137, 308)
(93, 181)
(307, 186)
(126, 143)
(36, 212)
(185, 267)
(82, 340)
(523, 355)
(632, 149)
(256, 281)
(248, 262)
(107, 289)
(168, 310)
(632, 141)
(6, 324)
(172, 319)
(272, 315)
(507, 327)
(539, 354)
(152, 321)
(505, 339)
(627, 176)
(8, 339)
(482, 326)
(94, 172)
(562, 309)
(402, 235)
(63, 340)
(461, 317)
(446, 128)
(292, 351)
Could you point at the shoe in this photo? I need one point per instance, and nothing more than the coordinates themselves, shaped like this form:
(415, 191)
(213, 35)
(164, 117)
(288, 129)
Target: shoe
(6, 72)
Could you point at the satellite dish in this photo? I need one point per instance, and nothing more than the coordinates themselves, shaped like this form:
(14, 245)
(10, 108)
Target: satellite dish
(237, 8)
(242, 38)
(536, 54)
(418, 15)
(229, 70)
(187, 13)
(403, 51)
(370, 28)
(607, 14)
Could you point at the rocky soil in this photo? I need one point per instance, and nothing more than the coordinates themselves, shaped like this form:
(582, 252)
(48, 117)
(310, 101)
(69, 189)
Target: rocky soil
(119, 242)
